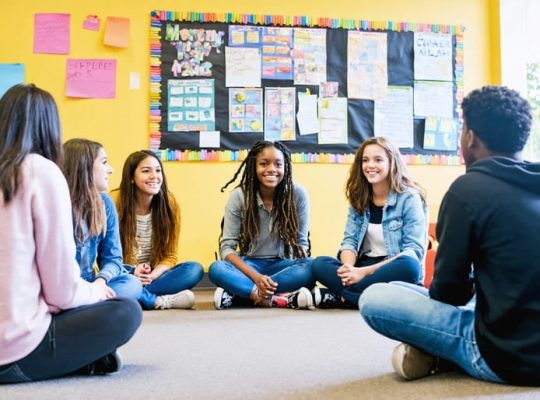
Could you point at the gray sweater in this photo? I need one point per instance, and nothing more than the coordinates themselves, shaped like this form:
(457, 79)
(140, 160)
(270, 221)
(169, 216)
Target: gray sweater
(267, 245)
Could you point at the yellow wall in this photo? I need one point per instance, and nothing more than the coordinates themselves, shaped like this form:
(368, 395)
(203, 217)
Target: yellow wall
(122, 124)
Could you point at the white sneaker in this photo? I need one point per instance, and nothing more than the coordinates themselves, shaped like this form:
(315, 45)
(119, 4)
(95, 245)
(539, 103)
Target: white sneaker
(181, 300)
(412, 363)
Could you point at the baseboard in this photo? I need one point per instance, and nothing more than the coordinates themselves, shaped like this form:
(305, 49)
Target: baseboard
(205, 284)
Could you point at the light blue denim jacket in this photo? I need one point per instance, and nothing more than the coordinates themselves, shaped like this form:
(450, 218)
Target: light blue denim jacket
(107, 248)
(404, 223)
(267, 245)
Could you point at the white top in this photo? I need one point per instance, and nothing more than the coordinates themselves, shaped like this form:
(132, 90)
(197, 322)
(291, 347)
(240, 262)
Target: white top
(373, 245)
(144, 238)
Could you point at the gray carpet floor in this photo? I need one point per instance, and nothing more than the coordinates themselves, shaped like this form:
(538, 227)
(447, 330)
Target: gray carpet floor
(259, 354)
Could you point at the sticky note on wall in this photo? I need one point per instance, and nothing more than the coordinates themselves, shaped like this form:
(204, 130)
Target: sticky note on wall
(91, 23)
(51, 33)
(116, 32)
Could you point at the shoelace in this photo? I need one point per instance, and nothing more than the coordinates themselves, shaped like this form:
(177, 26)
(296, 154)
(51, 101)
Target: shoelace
(165, 302)
(292, 300)
(226, 300)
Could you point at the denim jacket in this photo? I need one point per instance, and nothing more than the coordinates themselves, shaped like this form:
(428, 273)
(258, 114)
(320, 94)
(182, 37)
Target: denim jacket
(107, 248)
(267, 244)
(404, 224)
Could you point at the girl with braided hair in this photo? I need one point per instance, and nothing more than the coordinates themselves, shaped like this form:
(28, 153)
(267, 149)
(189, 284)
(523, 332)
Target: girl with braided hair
(266, 219)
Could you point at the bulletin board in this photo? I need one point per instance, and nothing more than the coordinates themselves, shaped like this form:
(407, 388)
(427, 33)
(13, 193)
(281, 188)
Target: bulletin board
(221, 82)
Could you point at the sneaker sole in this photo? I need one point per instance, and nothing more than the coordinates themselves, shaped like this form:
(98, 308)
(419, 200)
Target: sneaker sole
(217, 298)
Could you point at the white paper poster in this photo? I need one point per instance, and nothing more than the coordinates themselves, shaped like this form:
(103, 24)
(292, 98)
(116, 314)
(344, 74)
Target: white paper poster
(394, 116)
(242, 67)
(307, 114)
(333, 120)
(209, 139)
(432, 56)
(433, 99)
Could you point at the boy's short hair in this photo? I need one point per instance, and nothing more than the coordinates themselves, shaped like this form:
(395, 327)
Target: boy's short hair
(499, 116)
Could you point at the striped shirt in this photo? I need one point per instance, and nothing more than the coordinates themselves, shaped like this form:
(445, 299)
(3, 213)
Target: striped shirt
(144, 238)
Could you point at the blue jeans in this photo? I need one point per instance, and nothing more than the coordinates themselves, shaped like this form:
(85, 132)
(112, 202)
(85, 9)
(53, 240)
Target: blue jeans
(126, 285)
(403, 268)
(181, 277)
(406, 313)
(290, 275)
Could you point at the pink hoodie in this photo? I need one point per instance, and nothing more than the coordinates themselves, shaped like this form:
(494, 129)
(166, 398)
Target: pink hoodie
(38, 271)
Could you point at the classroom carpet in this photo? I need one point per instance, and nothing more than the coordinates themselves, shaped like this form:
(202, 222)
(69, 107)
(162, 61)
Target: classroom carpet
(258, 353)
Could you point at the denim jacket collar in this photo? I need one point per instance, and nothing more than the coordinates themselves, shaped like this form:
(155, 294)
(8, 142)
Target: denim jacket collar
(392, 199)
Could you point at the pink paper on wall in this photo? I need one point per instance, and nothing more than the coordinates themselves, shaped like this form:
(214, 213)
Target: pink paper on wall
(51, 33)
(91, 23)
(91, 78)
(116, 32)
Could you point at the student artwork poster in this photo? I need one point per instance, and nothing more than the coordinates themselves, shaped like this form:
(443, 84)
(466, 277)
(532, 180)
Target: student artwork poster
(367, 69)
(191, 105)
(276, 53)
(244, 36)
(309, 56)
(440, 134)
(275, 44)
(280, 106)
(245, 110)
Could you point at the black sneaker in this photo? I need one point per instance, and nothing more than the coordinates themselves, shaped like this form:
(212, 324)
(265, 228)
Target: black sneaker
(222, 299)
(324, 298)
(111, 363)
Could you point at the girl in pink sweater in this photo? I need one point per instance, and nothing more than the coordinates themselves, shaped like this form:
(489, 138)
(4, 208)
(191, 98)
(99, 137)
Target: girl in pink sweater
(52, 322)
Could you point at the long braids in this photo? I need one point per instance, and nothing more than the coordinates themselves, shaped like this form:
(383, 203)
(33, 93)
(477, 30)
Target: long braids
(284, 210)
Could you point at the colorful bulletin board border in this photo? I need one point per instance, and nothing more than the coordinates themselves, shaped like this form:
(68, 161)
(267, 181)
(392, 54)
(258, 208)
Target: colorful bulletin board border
(158, 16)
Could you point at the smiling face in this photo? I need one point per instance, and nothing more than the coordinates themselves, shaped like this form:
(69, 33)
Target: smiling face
(102, 170)
(148, 176)
(270, 166)
(375, 165)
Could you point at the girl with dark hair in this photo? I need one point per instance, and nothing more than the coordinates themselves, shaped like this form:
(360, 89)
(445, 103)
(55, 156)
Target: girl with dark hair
(53, 322)
(266, 219)
(149, 230)
(385, 236)
(95, 222)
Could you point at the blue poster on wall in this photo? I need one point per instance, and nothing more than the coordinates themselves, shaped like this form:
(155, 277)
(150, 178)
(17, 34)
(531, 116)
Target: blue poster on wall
(10, 74)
